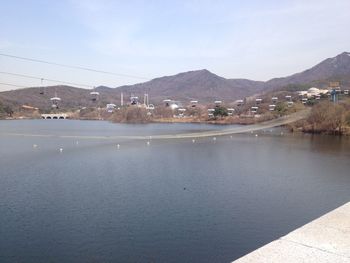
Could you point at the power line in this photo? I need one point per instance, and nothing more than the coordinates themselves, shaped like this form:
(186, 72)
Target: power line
(72, 66)
(42, 79)
(13, 85)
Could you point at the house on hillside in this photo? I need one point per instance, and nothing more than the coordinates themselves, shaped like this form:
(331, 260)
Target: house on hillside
(313, 92)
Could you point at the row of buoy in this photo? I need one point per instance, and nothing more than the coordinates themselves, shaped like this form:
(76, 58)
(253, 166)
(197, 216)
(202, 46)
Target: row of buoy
(35, 146)
(148, 143)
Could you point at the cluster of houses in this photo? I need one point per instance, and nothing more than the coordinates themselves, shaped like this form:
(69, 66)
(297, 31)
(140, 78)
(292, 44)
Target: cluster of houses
(304, 96)
(180, 110)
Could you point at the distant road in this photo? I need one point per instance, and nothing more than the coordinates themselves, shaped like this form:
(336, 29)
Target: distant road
(241, 129)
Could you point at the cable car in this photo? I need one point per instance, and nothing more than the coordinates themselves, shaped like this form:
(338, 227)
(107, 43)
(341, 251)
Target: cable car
(239, 102)
(55, 101)
(94, 95)
(42, 88)
(134, 100)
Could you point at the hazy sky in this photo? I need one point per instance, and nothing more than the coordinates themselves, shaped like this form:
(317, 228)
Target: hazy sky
(235, 39)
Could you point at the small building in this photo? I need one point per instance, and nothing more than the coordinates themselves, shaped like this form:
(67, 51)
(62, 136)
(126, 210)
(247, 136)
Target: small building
(110, 107)
(274, 99)
(171, 104)
(134, 100)
(272, 107)
(181, 112)
(150, 107)
(29, 108)
(174, 105)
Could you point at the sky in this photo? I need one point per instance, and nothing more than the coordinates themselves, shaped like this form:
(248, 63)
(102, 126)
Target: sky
(257, 40)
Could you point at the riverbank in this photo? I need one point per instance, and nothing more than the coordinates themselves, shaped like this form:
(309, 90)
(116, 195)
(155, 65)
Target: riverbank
(324, 118)
(248, 120)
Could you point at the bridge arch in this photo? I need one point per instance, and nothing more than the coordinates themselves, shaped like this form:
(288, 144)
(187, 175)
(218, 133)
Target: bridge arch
(55, 116)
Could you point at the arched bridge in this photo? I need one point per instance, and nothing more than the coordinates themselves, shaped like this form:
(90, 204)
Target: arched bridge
(54, 116)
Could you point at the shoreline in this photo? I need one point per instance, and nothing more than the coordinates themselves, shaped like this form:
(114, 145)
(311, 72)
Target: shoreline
(298, 128)
(156, 121)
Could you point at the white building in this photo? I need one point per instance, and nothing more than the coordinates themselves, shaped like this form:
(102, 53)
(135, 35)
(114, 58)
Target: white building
(313, 92)
(110, 107)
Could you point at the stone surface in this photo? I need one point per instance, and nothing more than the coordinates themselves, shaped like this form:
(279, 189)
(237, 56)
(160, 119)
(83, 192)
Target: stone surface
(326, 239)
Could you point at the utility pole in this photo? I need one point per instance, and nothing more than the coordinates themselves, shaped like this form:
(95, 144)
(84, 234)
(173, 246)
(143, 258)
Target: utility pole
(334, 86)
(145, 100)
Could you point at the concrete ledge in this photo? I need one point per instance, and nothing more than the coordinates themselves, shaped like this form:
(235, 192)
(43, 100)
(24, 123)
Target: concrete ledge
(326, 239)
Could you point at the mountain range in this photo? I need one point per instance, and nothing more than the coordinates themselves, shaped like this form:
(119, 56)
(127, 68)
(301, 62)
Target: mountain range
(200, 85)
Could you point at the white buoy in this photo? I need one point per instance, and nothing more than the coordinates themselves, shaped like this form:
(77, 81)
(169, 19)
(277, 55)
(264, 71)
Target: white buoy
(148, 143)
(231, 136)
(193, 140)
(118, 146)
(35, 146)
(61, 150)
(214, 139)
(256, 135)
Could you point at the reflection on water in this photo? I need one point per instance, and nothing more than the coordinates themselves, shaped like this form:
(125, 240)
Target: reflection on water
(166, 201)
(330, 144)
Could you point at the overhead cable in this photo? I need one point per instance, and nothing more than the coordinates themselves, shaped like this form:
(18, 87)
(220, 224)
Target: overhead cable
(13, 85)
(45, 79)
(72, 66)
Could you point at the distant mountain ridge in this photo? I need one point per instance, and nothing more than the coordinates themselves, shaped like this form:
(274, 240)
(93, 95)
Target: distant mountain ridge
(201, 85)
(331, 69)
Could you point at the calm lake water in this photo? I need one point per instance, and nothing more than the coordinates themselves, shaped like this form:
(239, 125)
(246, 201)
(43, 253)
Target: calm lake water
(169, 201)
